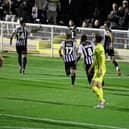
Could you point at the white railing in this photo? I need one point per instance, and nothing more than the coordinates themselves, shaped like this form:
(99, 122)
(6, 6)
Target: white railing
(45, 39)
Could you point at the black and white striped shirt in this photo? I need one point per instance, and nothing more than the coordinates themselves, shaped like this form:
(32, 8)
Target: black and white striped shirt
(86, 48)
(21, 36)
(69, 49)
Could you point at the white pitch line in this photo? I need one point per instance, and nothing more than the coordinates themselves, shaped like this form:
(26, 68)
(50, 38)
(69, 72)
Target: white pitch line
(59, 70)
(62, 78)
(56, 78)
(71, 123)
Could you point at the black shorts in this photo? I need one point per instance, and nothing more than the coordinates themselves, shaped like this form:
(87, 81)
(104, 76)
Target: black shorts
(68, 66)
(109, 51)
(21, 49)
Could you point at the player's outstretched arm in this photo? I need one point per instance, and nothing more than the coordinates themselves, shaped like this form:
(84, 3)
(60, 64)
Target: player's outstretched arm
(60, 52)
(91, 67)
(11, 38)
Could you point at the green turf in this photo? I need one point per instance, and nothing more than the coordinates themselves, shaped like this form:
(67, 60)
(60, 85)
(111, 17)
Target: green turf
(43, 98)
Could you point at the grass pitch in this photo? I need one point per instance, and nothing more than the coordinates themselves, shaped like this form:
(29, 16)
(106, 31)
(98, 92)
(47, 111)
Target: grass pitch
(43, 98)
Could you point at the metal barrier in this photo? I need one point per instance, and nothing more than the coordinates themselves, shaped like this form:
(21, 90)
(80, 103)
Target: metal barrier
(45, 39)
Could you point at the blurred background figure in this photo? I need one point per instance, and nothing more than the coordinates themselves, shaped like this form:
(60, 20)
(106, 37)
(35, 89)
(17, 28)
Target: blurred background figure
(7, 6)
(53, 7)
(85, 23)
(125, 5)
(41, 5)
(96, 24)
(1, 10)
(126, 14)
(72, 28)
(35, 13)
(113, 16)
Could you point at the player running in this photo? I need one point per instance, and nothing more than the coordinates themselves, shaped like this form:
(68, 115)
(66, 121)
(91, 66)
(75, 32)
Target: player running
(99, 71)
(67, 51)
(108, 46)
(86, 49)
(21, 34)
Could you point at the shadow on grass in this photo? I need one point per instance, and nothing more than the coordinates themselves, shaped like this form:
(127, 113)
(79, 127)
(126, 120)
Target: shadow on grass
(111, 89)
(44, 101)
(117, 108)
(120, 94)
(32, 83)
(53, 123)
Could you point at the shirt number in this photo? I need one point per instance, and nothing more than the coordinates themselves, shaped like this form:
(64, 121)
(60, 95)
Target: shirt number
(69, 50)
(89, 51)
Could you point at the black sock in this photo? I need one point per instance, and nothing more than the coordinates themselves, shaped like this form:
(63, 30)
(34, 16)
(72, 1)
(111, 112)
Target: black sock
(20, 60)
(115, 64)
(73, 78)
(24, 62)
(103, 83)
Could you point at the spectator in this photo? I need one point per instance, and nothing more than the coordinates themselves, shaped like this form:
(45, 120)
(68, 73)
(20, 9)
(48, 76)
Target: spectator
(71, 23)
(125, 5)
(85, 23)
(1, 10)
(42, 6)
(113, 16)
(34, 13)
(123, 18)
(96, 24)
(22, 9)
(7, 6)
(13, 7)
(16, 4)
(72, 28)
(29, 4)
(53, 6)
(126, 14)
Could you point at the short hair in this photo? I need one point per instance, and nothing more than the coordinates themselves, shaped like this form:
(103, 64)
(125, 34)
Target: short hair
(68, 35)
(98, 38)
(83, 38)
(125, 2)
(21, 20)
(108, 24)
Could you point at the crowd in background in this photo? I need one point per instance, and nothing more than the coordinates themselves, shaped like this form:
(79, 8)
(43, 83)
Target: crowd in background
(11, 10)
(118, 17)
(56, 12)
